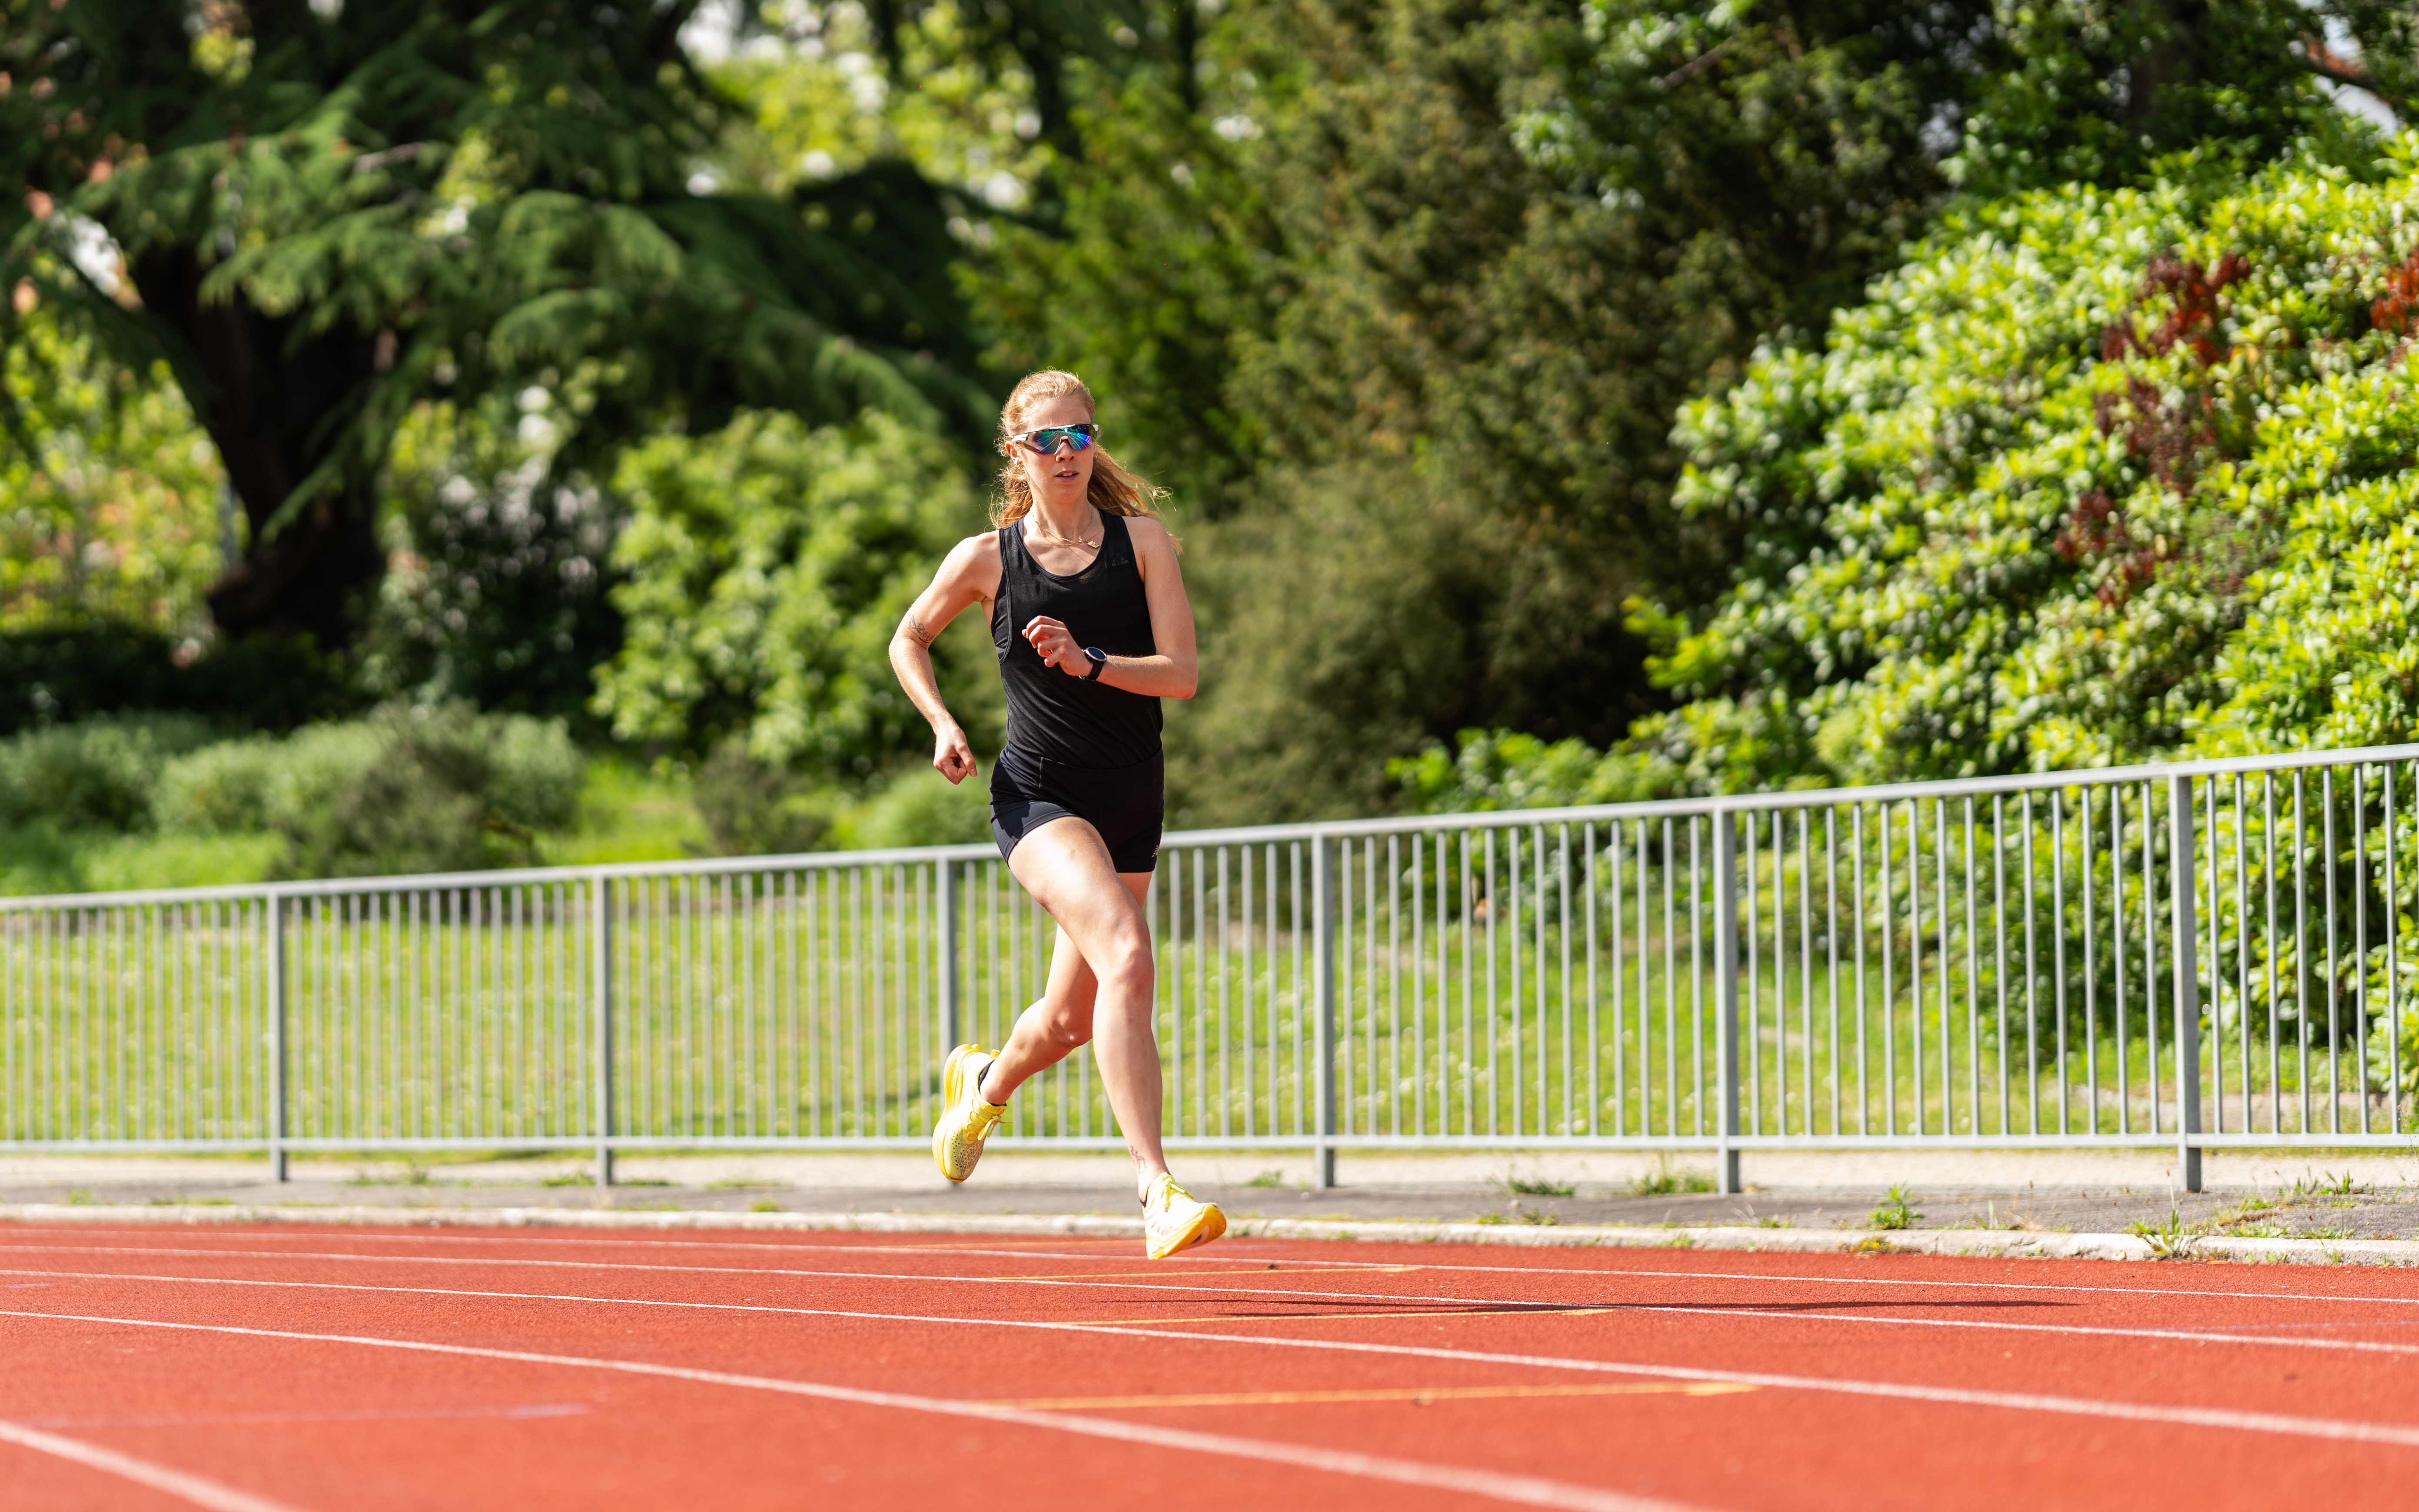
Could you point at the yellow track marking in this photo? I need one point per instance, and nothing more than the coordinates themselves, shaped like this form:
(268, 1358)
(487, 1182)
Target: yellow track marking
(1329, 1317)
(1421, 1394)
(1230, 1275)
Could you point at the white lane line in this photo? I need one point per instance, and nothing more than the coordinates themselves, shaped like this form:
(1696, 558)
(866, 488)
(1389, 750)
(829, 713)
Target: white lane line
(423, 1236)
(1077, 1282)
(1526, 1491)
(2404, 1436)
(1203, 1262)
(1509, 1309)
(177, 1483)
(332, 1415)
(1084, 1283)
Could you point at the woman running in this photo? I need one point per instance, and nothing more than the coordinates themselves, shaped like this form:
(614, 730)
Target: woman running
(1089, 617)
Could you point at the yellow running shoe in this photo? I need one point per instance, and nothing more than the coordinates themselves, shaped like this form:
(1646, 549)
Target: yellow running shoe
(966, 1119)
(1174, 1219)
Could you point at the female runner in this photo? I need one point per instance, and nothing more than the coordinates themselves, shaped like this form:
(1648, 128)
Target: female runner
(1089, 614)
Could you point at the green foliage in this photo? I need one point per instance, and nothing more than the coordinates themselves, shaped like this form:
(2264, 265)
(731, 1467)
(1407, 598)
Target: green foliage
(1418, 288)
(420, 790)
(1154, 334)
(2098, 476)
(1897, 1210)
(328, 219)
(750, 809)
(49, 676)
(111, 512)
(765, 567)
(1666, 1178)
(99, 775)
(1501, 770)
(753, 808)
(409, 791)
(494, 590)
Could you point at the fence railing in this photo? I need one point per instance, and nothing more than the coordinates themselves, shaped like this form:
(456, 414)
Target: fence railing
(2185, 956)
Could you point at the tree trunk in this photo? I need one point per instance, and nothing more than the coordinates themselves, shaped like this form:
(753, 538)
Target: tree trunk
(273, 394)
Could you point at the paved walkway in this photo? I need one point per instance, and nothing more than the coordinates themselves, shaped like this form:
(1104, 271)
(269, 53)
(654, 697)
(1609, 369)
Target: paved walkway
(2259, 1194)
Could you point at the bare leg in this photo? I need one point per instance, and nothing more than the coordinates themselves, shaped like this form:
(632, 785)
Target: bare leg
(1102, 984)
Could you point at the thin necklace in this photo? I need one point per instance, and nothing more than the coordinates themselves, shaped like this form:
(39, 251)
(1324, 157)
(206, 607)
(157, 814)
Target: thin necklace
(1042, 527)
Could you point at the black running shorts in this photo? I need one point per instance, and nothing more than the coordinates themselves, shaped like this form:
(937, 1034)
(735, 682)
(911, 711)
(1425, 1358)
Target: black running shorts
(1125, 804)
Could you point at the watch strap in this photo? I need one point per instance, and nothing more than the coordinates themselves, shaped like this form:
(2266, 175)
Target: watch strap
(1100, 660)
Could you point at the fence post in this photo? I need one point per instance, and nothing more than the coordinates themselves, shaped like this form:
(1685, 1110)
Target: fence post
(1322, 928)
(2180, 845)
(276, 1038)
(600, 946)
(952, 1014)
(1726, 1027)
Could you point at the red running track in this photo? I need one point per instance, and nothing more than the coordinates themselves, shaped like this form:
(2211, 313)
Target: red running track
(314, 1369)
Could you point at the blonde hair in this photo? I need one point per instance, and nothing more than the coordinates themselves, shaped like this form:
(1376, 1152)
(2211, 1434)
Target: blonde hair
(1114, 490)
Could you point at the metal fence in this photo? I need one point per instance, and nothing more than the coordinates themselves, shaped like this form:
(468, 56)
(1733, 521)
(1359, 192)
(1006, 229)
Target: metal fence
(2182, 956)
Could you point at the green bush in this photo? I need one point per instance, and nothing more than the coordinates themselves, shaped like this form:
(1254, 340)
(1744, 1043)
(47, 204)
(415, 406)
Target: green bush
(408, 791)
(219, 790)
(1496, 769)
(2096, 477)
(94, 776)
(752, 808)
(766, 566)
(418, 791)
(919, 807)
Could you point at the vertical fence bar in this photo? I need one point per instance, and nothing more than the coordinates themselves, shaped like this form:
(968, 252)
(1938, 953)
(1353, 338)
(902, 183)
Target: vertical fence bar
(952, 1029)
(600, 970)
(1324, 861)
(2180, 876)
(276, 1038)
(1726, 1001)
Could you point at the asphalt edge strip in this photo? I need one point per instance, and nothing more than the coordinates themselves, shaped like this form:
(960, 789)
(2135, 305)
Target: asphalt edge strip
(2012, 1243)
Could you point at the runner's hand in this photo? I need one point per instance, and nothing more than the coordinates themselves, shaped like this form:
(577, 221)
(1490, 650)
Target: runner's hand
(1056, 646)
(951, 756)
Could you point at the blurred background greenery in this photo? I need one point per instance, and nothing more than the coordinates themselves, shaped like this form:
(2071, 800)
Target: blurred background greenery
(442, 434)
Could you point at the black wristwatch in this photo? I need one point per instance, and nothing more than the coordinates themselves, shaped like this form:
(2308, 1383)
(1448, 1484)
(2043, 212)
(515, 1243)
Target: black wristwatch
(1100, 660)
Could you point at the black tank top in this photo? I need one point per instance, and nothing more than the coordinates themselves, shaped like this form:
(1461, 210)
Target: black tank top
(1051, 714)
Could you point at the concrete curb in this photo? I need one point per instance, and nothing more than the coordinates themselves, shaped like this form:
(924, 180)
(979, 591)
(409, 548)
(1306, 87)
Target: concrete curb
(2008, 1243)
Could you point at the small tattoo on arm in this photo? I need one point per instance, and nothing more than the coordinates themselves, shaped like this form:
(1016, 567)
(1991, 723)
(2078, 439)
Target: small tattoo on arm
(916, 632)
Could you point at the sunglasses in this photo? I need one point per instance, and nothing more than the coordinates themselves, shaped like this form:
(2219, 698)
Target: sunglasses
(1046, 441)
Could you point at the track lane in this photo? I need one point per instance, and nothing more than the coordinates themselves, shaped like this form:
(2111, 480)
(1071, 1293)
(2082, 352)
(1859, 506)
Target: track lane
(1773, 1461)
(2158, 1315)
(1958, 1273)
(1661, 1445)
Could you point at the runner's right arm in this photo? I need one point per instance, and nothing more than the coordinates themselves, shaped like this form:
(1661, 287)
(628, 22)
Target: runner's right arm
(969, 575)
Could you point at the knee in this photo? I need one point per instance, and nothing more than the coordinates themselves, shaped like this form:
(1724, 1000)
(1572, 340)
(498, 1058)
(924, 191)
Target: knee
(1068, 1029)
(1127, 964)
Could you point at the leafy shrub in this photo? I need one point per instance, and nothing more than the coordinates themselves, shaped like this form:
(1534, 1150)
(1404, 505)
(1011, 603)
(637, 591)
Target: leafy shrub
(766, 566)
(221, 788)
(1497, 769)
(97, 774)
(418, 791)
(752, 808)
(537, 772)
(409, 791)
(919, 807)
(2098, 476)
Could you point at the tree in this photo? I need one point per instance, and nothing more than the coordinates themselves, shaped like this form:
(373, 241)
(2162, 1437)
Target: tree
(1480, 254)
(330, 212)
(2099, 477)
